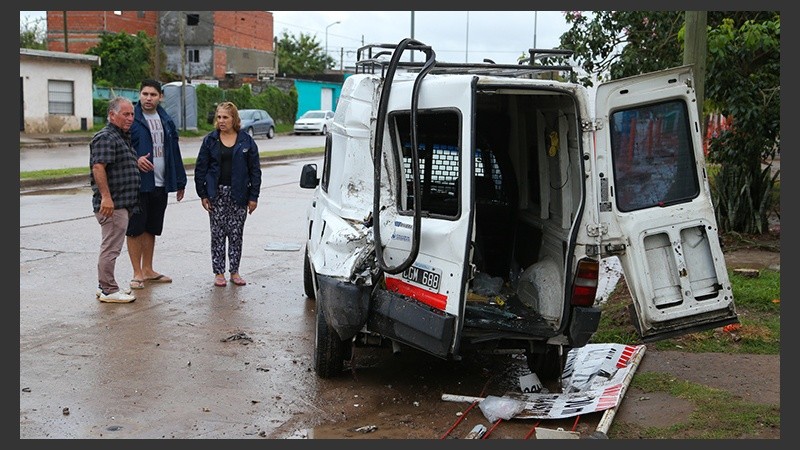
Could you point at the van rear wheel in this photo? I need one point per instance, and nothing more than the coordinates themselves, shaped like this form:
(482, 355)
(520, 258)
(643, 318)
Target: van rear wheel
(547, 364)
(329, 350)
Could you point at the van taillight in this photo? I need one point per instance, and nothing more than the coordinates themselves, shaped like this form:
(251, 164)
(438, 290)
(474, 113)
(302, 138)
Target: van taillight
(585, 287)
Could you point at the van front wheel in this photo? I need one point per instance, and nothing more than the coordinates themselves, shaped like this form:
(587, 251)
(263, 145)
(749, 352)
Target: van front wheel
(329, 350)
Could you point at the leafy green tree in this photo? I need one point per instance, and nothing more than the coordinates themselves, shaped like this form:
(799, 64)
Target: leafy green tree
(617, 44)
(742, 81)
(744, 85)
(301, 55)
(32, 34)
(125, 59)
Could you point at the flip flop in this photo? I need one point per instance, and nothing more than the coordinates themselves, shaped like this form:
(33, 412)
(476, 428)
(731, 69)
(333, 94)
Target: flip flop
(159, 279)
(220, 280)
(137, 284)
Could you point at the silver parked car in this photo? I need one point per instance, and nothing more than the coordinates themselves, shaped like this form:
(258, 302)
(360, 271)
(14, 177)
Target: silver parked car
(257, 122)
(314, 121)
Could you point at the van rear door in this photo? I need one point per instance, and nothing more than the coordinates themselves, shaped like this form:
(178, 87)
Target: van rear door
(442, 267)
(655, 204)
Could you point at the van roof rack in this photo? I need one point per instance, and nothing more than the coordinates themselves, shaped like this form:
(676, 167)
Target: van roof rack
(372, 58)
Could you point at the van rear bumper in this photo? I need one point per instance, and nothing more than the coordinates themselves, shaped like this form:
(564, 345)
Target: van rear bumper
(410, 322)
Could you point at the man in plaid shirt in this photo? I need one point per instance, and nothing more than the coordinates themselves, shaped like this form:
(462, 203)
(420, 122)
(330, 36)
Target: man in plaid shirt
(115, 193)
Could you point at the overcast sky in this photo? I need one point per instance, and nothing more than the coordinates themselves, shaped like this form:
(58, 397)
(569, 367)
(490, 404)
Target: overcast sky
(456, 36)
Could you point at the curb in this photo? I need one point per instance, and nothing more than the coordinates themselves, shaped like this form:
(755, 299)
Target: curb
(83, 178)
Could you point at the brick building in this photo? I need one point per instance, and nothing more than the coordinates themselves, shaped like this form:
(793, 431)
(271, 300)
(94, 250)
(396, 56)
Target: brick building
(221, 45)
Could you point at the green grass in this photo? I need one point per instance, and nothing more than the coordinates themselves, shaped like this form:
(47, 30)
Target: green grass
(717, 414)
(757, 303)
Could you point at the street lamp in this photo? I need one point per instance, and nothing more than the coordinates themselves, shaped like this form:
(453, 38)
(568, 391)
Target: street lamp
(326, 36)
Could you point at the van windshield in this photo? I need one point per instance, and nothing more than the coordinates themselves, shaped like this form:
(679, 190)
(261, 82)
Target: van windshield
(314, 115)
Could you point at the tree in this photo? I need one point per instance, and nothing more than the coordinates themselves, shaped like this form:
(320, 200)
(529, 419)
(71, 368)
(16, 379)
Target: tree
(617, 44)
(744, 84)
(32, 34)
(301, 55)
(742, 81)
(125, 59)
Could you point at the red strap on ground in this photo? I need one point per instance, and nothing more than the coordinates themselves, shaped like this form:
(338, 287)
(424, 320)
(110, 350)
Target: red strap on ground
(533, 430)
(489, 431)
(458, 421)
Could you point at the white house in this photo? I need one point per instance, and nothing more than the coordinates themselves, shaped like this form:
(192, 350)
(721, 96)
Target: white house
(55, 91)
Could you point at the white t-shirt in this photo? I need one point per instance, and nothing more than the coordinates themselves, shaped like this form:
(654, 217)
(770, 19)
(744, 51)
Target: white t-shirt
(157, 133)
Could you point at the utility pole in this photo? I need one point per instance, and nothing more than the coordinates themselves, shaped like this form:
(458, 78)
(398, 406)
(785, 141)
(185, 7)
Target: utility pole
(157, 56)
(181, 20)
(466, 49)
(695, 52)
(412, 34)
(66, 42)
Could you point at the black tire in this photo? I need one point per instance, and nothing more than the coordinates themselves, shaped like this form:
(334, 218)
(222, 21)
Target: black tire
(251, 132)
(548, 365)
(308, 278)
(271, 133)
(324, 130)
(329, 350)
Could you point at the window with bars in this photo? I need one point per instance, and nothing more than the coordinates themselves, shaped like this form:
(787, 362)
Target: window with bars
(192, 55)
(61, 97)
(439, 157)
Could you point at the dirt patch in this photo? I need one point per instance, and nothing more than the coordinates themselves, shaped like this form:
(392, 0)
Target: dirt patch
(752, 378)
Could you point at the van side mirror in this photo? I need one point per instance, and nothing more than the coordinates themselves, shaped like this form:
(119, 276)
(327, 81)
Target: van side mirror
(308, 177)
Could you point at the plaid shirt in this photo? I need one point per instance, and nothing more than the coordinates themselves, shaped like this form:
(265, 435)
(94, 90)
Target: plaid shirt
(112, 146)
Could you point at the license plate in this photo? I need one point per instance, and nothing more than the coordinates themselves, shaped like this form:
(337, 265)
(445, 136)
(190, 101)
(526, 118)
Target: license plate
(428, 277)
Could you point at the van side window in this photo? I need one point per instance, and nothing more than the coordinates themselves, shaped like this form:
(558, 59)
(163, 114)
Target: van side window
(439, 155)
(653, 156)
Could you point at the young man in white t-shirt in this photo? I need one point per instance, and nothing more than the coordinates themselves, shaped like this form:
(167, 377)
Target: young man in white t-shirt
(154, 136)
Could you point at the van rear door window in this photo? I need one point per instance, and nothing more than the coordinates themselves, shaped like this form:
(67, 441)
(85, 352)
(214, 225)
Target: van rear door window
(439, 157)
(654, 163)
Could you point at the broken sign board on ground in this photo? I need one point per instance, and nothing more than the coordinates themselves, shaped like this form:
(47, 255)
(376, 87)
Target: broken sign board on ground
(594, 379)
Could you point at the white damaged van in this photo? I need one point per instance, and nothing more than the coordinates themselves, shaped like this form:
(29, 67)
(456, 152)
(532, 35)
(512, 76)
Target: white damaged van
(467, 207)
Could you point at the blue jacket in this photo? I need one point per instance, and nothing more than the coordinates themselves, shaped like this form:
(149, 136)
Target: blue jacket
(142, 142)
(246, 170)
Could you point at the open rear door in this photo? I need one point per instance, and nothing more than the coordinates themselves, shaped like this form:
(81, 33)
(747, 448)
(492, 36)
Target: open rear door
(655, 202)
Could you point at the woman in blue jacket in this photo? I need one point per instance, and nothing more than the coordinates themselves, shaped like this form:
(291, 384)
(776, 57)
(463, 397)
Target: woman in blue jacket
(227, 178)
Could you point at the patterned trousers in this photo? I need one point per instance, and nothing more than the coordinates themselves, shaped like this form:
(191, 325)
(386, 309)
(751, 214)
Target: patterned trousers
(227, 227)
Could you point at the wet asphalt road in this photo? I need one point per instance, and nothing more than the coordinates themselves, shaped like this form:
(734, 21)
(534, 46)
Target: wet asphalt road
(168, 364)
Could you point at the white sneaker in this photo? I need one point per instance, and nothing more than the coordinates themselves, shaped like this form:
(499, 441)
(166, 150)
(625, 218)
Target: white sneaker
(100, 291)
(116, 297)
